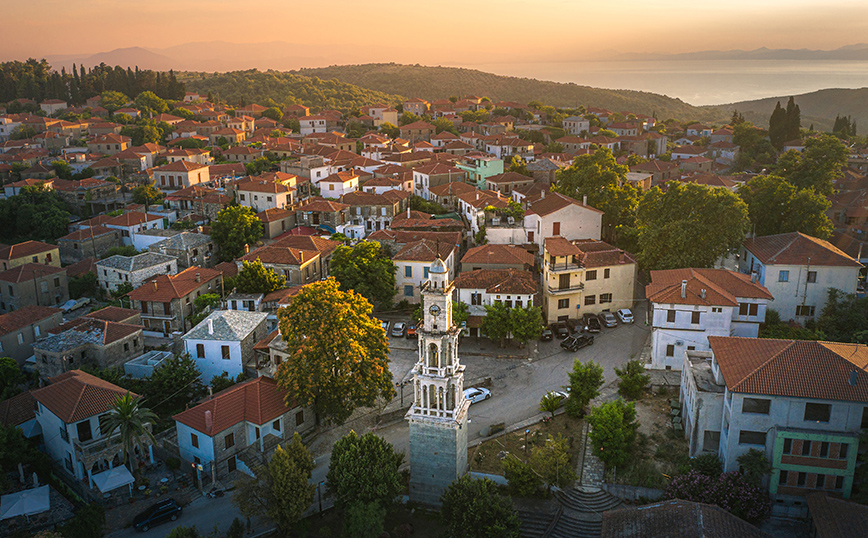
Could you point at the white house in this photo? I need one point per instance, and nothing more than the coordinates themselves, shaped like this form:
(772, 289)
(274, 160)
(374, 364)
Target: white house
(7, 127)
(117, 270)
(180, 174)
(133, 223)
(690, 305)
(262, 194)
(802, 403)
(549, 216)
(413, 262)
(223, 342)
(219, 432)
(313, 124)
(476, 289)
(338, 184)
(68, 411)
(798, 270)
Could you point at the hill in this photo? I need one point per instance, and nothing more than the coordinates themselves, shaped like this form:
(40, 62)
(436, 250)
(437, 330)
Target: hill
(442, 82)
(270, 88)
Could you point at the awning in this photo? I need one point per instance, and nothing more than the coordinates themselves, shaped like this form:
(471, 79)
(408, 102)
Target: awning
(113, 478)
(24, 503)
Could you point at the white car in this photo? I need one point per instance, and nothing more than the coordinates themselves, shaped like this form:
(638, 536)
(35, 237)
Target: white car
(74, 304)
(625, 315)
(476, 394)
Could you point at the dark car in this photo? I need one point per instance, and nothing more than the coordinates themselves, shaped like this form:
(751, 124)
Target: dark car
(546, 335)
(592, 323)
(561, 330)
(163, 511)
(574, 343)
(575, 325)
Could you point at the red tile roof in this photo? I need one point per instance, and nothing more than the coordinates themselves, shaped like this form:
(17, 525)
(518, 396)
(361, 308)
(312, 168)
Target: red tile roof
(79, 268)
(29, 271)
(77, 395)
(88, 233)
(308, 242)
(24, 316)
(555, 202)
(280, 255)
(180, 166)
(132, 218)
(27, 248)
(797, 248)
(498, 254)
(424, 250)
(164, 288)
(498, 281)
(792, 368)
(258, 401)
(113, 313)
(722, 287)
(18, 409)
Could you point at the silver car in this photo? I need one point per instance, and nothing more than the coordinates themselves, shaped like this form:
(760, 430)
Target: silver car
(625, 315)
(608, 319)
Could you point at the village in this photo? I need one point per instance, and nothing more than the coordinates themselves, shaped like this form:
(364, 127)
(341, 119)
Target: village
(582, 309)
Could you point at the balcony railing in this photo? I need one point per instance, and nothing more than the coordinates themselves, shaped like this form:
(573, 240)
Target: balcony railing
(561, 267)
(89, 448)
(567, 289)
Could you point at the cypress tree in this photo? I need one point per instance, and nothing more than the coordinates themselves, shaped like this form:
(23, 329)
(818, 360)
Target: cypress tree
(778, 126)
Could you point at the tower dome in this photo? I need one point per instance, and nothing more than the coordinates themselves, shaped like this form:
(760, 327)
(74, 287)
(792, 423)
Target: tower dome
(438, 267)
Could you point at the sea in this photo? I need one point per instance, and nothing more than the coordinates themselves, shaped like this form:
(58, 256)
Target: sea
(712, 82)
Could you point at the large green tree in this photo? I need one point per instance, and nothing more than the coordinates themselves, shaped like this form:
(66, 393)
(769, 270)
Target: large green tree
(778, 127)
(33, 214)
(818, 165)
(496, 323)
(10, 377)
(475, 509)
(235, 228)
(147, 195)
(633, 380)
(776, 206)
(526, 323)
(150, 103)
(844, 318)
(281, 489)
(112, 100)
(256, 278)
(175, 383)
(585, 382)
(613, 431)
(133, 421)
(364, 469)
(366, 269)
(688, 225)
(338, 354)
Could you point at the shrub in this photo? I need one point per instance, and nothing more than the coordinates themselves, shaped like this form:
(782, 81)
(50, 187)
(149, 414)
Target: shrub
(523, 482)
(730, 491)
(633, 380)
(707, 464)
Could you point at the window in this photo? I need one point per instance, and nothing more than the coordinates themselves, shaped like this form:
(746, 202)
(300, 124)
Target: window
(299, 418)
(804, 311)
(20, 338)
(84, 432)
(746, 437)
(821, 481)
(756, 405)
(716, 309)
(711, 441)
(670, 316)
(36, 331)
(815, 412)
(783, 276)
(839, 482)
(694, 317)
(812, 277)
(408, 271)
(591, 275)
(229, 441)
(670, 350)
(276, 425)
(425, 272)
(126, 346)
(57, 282)
(605, 298)
(194, 440)
(563, 303)
(806, 448)
(842, 454)
(231, 464)
(200, 351)
(788, 446)
(862, 426)
(408, 291)
(803, 479)
(590, 300)
(782, 478)
(225, 351)
(606, 273)
(824, 449)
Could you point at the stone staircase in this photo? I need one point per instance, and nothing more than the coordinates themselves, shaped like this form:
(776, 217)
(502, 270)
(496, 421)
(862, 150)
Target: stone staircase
(535, 524)
(588, 500)
(582, 513)
(577, 526)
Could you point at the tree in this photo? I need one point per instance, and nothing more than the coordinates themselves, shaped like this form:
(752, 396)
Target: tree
(62, 169)
(844, 318)
(183, 532)
(495, 324)
(202, 306)
(776, 206)
(794, 121)
(10, 377)
(526, 323)
(338, 354)
(235, 228)
(819, 165)
(689, 225)
(149, 103)
(88, 522)
(614, 431)
(364, 470)
(83, 285)
(132, 421)
(273, 113)
(460, 312)
(633, 380)
(147, 195)
(175, 383)
(281, 489)
(367, 270)
(756, 150)
(112, 100)
(550, 402)
(778, 126)
(552, 462)
(474, 509)
(519, 166)
(522, 480)
(585, 382)
(364, 520)
(390, 130)
(755, 466)
(256, 278)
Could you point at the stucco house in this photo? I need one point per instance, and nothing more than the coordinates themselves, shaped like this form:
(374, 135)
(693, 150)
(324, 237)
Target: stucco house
(223, 342)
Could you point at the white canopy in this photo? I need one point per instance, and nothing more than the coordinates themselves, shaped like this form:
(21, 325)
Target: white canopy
(113, 478)
(24, 503)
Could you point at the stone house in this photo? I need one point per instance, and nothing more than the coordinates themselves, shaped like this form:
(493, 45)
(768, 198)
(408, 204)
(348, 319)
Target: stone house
(376, 211)
(21, 328)
(117, 270)
(325, 247)
(29, 252)
(180, 175)
(108, 144)
(166, 301)
(299, 266)
(223, 342)
(199, 200)
(87, 342)
(321, 212)
(419, 130)
(484, 287)
(238, 428)
(91, 242)
(79, 194)
(189, 249)
(32, 284)
(433, 174)
(276, 222)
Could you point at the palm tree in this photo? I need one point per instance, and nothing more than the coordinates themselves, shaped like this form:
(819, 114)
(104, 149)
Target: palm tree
(132, 421)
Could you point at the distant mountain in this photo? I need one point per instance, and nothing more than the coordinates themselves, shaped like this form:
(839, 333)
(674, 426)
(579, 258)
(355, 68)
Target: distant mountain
(132, 57)
(857, 52)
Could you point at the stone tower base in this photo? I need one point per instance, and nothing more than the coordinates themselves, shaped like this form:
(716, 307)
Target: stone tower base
(438, 455)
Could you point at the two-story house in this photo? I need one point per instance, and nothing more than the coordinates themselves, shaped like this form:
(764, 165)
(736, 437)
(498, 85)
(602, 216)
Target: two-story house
(91, 242)
(802, 403)
(188, 248)
(166, 301)
(180, 174)
(117, 270)
(376, 211)
(316, 212)
(413, 262)
(21, 328)
(690, 305)
(476, 289)
(798, 270)
(236, 429)
(261, 195)
(87, 341)
(490, 256)
(299, 265)
(434, 174)
(223, 342)
(32, 284)
(29, 252)
(134, 222)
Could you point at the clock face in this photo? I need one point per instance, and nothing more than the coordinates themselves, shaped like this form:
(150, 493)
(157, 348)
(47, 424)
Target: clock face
(435, 310)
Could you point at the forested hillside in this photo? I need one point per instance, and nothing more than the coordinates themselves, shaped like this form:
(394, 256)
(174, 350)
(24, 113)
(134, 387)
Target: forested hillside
(442, 82)
(271, 88)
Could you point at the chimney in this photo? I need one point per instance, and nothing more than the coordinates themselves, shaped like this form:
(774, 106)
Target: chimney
(683, 289)
(209, 422)
(210, 326)
(198, 277)
(853, 377)
(155, 285)
(702, 293)
(408, 212)
(753, 276)
(542, 194)
(246, 248)
(585, 200)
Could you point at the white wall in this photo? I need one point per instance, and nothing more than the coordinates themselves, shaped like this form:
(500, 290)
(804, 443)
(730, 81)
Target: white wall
(214, 364)
(205, 452)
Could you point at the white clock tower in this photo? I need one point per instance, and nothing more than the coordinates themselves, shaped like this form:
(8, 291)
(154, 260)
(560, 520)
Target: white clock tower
(438, 416)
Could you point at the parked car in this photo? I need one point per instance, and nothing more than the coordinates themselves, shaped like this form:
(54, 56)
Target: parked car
(163, 511)
(411, 331)
(561, 330)
(546, 335)
(561, 395)
(574, 325)
(476, 394)
(575, 343)
(625, 315)
(74, 304)
(592, 323)
(608, 319)
(385, 325)
(398, 329)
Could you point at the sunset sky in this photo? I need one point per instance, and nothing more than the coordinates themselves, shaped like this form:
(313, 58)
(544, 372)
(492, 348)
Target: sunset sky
(435, 32)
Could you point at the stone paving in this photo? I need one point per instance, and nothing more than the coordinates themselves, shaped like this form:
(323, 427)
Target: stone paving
(592, 471)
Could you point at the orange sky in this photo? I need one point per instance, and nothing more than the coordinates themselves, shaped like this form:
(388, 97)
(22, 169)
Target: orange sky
(445, 31)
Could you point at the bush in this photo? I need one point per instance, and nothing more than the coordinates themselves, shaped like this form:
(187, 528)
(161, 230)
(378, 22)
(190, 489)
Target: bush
(364, 520)
(707, 464)
(730, 491)
(87, 523)
(523, 482)
(633, 380)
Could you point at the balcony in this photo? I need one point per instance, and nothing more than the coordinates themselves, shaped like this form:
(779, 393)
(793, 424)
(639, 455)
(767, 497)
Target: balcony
(563, 267)
(557, 290)
(85, 450)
